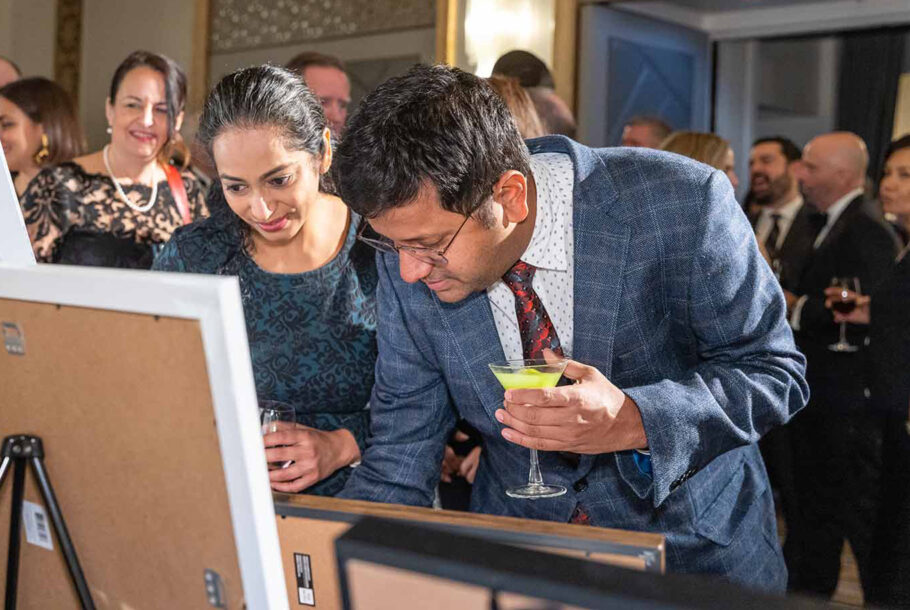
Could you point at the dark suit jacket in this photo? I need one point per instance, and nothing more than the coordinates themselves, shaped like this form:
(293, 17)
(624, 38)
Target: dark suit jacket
(889, 341)
(674, 304)
(858, 245)
(797, 247)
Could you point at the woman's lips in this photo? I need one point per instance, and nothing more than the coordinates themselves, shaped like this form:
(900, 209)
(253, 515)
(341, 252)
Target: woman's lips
(143, 136)
(275, 225)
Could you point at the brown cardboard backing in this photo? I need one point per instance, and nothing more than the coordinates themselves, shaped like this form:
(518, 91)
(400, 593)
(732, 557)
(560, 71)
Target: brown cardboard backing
(332, 517)
(370, 585)
(123, 405)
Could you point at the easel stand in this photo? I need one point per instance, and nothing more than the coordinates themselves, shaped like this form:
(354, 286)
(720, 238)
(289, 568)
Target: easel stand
(19, 450)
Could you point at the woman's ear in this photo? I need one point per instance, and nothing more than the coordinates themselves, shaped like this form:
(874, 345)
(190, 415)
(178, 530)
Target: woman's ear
(178, 121)
(109, 112)
(327, 151)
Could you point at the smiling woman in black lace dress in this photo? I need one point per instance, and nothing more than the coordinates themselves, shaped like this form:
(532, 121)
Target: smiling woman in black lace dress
(114, 207)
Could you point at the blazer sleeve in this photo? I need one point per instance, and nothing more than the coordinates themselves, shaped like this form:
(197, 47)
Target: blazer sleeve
(411, 413)
(747, 375)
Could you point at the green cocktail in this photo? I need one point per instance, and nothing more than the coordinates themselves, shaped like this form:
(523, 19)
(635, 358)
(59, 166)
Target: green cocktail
(525, 374)
(528, 378)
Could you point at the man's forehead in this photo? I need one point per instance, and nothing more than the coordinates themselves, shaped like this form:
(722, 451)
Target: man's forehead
(420, 217)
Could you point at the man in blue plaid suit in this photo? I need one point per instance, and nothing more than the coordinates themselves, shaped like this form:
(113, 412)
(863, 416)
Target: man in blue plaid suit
(653, 282)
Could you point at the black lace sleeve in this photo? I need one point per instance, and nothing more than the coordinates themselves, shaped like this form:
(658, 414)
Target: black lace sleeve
(44, 206)
(196, 196)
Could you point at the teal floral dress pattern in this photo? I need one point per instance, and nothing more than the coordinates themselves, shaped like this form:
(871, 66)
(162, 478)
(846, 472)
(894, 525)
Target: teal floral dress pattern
(312, 335)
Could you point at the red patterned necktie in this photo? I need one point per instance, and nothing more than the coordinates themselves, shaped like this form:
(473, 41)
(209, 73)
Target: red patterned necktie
(534, 325)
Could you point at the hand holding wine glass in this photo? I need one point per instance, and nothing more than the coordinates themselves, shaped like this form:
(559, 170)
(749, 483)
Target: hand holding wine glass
(861, 311)
(843, 300)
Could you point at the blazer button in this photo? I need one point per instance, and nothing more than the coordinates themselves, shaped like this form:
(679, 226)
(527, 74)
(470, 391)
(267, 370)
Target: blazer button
(580, 485)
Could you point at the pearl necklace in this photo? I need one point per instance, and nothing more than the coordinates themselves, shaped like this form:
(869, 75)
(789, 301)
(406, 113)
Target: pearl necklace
(123, 197)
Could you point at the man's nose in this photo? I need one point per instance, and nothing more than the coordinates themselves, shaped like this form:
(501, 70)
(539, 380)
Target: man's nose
(411, 269)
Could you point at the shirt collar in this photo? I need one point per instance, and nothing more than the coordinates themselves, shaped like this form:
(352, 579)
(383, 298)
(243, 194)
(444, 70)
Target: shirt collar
(547, 249)
(788, 210)
(838, 207)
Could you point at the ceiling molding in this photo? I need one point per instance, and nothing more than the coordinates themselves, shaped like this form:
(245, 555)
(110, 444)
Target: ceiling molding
(778, 20)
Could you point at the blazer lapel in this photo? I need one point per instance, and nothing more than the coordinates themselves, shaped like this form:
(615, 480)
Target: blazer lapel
(600, 252)
(841, 224)
(474, 338)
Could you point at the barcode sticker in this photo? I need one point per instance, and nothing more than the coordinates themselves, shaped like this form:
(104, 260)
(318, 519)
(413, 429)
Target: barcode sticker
(305, 594)
(37, 530)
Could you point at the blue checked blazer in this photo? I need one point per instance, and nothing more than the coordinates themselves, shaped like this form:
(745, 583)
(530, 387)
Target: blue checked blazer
(675, 305)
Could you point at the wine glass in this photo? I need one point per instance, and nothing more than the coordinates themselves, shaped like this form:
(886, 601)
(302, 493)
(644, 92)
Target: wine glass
(274, 416)
(523, 374)
(849, 290)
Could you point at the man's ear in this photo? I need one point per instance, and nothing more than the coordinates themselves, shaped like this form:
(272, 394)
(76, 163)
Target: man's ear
(511, 192)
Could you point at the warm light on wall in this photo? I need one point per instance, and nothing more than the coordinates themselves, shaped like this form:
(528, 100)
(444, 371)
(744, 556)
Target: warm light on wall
(494, 27)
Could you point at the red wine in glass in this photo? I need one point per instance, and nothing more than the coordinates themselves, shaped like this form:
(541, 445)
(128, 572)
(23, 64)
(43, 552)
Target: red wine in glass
(844, 307)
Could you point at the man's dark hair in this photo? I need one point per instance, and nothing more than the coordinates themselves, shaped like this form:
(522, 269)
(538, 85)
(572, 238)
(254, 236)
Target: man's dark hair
(434, 126)
(12, 64)
(526, 67)
(789, 149)
(302, 61)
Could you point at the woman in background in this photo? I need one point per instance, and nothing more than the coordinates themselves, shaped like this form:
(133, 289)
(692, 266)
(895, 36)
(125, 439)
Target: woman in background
(887, 312)
(705, 147)
(307, 284)
(38, 128)
(113, 207)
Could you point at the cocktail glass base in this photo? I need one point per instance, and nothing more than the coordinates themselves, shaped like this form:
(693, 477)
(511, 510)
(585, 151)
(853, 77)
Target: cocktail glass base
(535, 492)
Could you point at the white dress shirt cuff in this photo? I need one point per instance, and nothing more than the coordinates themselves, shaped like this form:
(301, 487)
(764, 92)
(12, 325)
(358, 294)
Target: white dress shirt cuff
(797, 312)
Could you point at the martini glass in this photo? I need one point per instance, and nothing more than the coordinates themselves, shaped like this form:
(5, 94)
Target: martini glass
(523, 374)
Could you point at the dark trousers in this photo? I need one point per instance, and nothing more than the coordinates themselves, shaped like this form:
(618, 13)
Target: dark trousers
(837, 473)
(777, 452)
(891, 549)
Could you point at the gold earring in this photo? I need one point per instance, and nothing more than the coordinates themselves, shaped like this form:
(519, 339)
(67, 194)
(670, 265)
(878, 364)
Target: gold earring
(44, 153)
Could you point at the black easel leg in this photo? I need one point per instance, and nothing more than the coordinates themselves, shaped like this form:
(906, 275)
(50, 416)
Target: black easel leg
(63, 536)
(15, 535)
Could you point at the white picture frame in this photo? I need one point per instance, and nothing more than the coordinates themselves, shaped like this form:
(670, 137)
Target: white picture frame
(215, 303)
(15, 247)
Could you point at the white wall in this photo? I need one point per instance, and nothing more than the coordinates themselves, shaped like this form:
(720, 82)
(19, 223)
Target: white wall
(735, 108)
(111, 30)
(806, 97)
(28, 35)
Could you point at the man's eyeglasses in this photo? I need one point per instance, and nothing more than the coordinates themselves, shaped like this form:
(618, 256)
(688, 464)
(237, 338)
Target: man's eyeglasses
(429, 256)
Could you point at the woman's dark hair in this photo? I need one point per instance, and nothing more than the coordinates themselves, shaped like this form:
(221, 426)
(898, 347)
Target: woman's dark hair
(174, 93)
(44, 101)
(265, 96)
(262, 96)
(436, 126)
(899, 144)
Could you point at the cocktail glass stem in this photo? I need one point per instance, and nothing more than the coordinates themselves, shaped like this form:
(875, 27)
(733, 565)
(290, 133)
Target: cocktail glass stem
(534, 476)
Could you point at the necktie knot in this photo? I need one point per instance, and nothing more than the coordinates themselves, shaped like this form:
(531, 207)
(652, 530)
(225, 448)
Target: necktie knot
(519, 277)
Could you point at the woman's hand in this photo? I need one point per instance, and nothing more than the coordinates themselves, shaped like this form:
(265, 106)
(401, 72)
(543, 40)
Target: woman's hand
(468, 467)
(313, 455)
(860, 315)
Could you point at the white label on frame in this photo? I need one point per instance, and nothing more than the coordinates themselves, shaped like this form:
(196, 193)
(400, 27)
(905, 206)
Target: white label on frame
(37, 529)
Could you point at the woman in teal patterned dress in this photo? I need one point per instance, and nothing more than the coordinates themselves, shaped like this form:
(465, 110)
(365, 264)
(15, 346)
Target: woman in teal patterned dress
(307, 284)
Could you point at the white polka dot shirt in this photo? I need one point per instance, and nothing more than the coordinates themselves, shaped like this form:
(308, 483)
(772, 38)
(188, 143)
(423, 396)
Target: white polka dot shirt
(551, 251)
